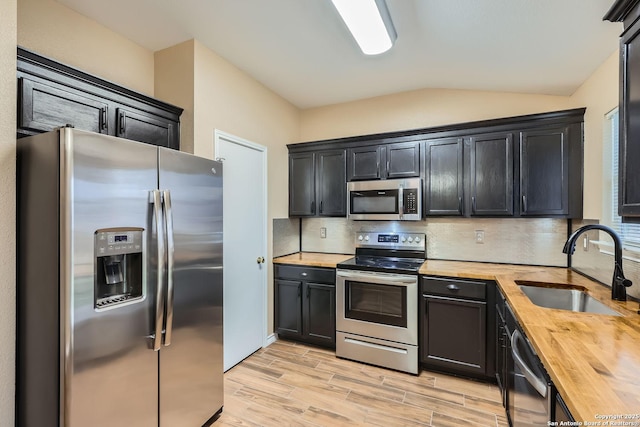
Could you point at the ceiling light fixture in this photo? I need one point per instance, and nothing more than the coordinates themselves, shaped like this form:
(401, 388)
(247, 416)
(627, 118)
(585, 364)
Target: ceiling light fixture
(369, 22)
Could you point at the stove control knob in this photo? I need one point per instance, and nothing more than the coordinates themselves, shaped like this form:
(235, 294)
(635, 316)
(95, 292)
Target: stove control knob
(404, 239)
(410, 239)
(417, 239)
(360, 238)
(366, 238)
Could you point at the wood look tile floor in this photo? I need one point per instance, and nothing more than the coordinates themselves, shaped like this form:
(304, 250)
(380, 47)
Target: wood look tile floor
(292, 384)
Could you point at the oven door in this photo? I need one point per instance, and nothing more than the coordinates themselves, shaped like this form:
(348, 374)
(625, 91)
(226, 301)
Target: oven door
(379, 305)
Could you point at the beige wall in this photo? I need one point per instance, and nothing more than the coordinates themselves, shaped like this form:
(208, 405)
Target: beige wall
(53, 30)
(418, 109)
(174, 83)
(600, 95)
(7, 209)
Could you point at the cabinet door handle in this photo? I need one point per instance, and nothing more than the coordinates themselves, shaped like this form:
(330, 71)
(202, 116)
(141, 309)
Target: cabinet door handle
(103, 118)
(299, 290)
(473, 204)
(453, 287)
(122, 119)
(378, 169)
(460, 204)
(313, 206)
(524, 203)
(303, 274)
(308, 292)
(321, 205)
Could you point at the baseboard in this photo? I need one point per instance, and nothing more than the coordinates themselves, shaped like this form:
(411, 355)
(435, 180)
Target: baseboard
(270, 339)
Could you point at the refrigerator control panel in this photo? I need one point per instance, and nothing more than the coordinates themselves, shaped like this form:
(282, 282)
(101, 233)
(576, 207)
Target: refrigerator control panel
(118, 242)
(118, 267)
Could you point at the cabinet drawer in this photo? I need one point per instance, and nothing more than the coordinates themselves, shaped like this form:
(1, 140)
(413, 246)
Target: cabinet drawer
(303, 273)
(454, 288)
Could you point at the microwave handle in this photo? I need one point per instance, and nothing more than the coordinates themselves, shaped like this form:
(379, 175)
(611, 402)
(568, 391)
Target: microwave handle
(401, 201)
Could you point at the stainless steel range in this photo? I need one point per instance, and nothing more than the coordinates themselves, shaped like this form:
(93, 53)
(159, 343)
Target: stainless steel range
(377, 300)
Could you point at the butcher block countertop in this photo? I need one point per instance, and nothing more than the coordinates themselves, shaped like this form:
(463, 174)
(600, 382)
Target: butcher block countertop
(312, 259)
(593, 359)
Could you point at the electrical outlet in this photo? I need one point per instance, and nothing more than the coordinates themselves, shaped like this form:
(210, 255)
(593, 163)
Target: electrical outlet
(323, 232)
(479, 236)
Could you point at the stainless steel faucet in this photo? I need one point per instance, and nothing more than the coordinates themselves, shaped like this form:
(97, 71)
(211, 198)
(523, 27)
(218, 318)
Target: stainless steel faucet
(619, 282)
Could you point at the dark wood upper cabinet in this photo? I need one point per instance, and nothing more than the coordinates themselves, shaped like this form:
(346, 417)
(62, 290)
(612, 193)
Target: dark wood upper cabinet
(443, 194)
(491, 174)
(628, 12)
(365, 163)
(317, 183)
(51, 95)
(384, 161)
(331, 183)
(403, 160)
(544, 171)
(302, 197)
(46, 105)
(147, 128)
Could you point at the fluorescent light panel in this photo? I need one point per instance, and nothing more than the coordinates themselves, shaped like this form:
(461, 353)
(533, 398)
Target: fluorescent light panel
(369, 23)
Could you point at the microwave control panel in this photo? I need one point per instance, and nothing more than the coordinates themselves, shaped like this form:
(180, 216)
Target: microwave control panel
(410, 201)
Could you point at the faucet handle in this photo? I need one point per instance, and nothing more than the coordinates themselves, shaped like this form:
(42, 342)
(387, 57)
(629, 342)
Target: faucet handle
(626, 283)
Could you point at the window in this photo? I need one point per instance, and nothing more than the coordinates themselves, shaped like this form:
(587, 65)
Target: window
(629, 233)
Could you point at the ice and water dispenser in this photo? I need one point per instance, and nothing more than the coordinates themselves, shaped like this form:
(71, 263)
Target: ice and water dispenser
(118, 278)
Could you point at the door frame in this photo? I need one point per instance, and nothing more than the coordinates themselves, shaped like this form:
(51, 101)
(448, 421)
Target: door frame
(219, 136)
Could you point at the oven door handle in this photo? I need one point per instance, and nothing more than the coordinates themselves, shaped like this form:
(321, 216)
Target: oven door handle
(401, 202)
(378, 278)
(537, 383)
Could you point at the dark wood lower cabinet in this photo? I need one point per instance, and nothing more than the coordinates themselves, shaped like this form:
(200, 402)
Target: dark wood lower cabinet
(305, 304)
(288, 313)
(319, 312)
(456, 335)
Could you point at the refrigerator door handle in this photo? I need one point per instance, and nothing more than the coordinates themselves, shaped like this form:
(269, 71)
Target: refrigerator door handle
(157, 214)
(168, 217)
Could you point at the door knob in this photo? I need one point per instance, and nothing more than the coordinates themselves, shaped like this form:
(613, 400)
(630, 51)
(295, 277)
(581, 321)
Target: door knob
(260, 260)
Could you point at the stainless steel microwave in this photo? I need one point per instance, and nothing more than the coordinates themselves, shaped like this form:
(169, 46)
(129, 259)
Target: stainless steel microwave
(390, 199)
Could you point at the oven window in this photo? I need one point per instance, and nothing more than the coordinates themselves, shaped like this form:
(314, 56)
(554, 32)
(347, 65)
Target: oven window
(384, 304)
(374, 202)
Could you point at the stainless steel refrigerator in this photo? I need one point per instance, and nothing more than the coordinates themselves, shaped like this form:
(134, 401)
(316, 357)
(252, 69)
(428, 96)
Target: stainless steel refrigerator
(119, 317)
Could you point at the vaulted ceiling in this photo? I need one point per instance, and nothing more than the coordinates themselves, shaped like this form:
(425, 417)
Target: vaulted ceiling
(302, 50)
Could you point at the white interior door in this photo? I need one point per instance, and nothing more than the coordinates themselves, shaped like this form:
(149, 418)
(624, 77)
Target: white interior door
(245, 232)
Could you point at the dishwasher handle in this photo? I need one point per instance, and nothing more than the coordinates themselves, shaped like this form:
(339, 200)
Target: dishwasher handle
(537, 383)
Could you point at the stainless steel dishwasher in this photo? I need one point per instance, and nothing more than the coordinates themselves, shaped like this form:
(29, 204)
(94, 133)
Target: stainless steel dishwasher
(532, 397)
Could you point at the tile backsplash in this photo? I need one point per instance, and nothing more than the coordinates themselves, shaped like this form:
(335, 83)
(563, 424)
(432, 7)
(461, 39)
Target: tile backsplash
(515, 241)
(286, 236)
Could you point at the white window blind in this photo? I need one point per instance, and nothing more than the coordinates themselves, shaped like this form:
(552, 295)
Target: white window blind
(629, 233)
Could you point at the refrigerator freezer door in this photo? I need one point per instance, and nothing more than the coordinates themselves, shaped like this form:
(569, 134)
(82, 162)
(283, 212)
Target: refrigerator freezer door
(111, 372)
(191, 385)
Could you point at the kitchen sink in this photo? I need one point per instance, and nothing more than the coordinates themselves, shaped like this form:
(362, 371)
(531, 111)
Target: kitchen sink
(564, 299)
